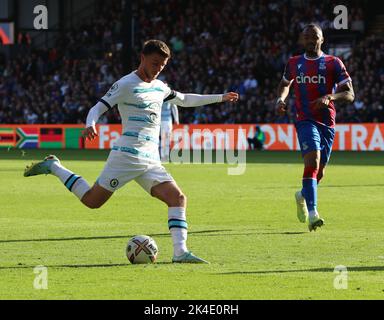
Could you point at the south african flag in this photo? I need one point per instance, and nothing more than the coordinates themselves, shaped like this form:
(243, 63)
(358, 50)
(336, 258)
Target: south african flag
(27, 137)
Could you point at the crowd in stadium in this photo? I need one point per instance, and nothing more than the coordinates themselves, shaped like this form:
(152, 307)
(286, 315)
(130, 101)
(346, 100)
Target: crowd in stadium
(234, 45)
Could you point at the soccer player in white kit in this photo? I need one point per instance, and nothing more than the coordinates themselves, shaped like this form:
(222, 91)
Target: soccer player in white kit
(169, 113)
(139, 97)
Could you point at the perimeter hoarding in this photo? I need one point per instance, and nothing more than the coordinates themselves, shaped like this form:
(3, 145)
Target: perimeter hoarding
(355, 137)
(349, 137)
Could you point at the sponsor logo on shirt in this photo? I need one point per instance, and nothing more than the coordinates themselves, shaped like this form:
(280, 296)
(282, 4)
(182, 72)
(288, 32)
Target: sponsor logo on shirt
(318, 79)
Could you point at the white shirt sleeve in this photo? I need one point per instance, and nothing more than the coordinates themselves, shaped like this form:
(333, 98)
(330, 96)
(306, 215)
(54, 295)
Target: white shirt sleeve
(94, 114)
(193, 100)
(167, 91)
(114, 95)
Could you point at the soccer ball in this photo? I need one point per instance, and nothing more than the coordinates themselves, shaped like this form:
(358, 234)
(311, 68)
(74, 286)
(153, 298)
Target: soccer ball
(141, 249)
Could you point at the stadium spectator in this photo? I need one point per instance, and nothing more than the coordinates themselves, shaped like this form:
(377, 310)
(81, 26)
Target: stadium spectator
(257, 141)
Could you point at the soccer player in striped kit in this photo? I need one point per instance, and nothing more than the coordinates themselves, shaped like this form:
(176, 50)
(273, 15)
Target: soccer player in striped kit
(135, 156)
(319, 80)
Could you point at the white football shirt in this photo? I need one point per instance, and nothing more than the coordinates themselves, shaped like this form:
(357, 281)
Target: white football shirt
(139, 104)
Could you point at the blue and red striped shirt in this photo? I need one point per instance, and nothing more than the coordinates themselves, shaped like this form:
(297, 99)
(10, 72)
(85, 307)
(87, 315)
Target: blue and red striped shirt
(312, 79)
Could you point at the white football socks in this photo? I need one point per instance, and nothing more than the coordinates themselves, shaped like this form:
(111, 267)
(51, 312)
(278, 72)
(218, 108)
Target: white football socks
(179, 228)
(74, 183)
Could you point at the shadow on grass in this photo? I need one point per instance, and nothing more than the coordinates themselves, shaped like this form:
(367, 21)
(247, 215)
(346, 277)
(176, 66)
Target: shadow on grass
(322, 186)
(285, 233)
(113, 265)
(110, 265)
(353, 186)
(204, 233)
(355, 269)
(105, 237)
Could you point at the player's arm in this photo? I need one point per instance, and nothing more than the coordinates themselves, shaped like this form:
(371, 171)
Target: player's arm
(344, 93)
(282, 94)
(112, 97)
(94, 114)
(283, 89)
(195, 100)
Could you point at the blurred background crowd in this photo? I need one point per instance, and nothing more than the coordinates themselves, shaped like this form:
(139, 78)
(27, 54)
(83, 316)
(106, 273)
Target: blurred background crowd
(218, 46)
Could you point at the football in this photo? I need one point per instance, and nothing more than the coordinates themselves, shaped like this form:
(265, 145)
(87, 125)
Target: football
(141, 249)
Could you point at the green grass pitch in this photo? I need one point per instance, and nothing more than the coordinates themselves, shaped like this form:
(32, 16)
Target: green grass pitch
(244, 225)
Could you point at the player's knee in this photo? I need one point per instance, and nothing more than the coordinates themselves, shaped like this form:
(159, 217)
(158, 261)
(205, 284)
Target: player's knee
(313, 163)
(91, 203)
(182, 199)
(178, 199)
(312, 160)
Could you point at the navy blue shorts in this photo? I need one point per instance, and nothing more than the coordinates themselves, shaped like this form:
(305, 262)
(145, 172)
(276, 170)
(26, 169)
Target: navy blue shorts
(314, 136)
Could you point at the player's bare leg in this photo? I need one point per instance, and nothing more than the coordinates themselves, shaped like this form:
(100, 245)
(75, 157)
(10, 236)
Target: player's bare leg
(96, 196)
(321, 172)
(93, 197)
(176, 201)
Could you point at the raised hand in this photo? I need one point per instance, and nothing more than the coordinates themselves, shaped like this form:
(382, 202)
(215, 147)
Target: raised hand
(230, 97)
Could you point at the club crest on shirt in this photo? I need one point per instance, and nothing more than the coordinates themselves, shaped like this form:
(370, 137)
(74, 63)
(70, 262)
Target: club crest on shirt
(154, 118)
(114, 183)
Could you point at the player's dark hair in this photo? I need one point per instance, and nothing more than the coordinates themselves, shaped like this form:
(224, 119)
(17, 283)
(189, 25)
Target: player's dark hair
(156, 46)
